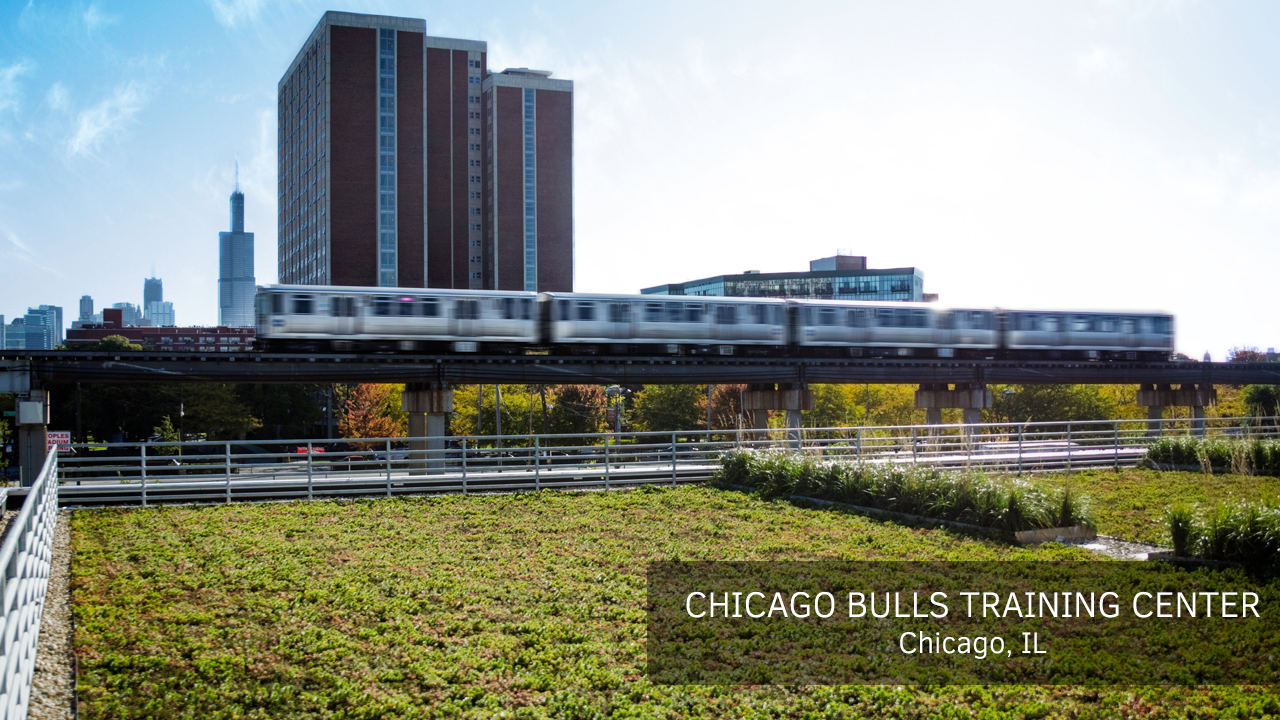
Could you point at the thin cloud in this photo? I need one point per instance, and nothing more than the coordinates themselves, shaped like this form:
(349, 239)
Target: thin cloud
(57, 97)
(23, 253)
(9, 75)
(107, 118)
(231, 13)
(94, 18)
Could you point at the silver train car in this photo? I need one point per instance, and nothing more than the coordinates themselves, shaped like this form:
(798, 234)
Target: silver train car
(341, 319)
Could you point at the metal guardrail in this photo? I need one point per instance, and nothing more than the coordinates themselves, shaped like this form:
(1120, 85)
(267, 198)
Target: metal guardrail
(226, 472)
(26, 555)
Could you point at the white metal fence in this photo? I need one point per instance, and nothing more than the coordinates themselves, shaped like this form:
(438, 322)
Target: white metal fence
(26, 555)
(229, 471)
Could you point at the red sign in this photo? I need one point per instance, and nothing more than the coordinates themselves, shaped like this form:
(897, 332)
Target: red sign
(60, 439)
(314, 450)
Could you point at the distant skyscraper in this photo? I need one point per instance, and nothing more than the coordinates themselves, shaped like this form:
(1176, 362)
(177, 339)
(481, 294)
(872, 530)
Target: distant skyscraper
(43, 327)
(387, 169)
(160, 314)
(15, 336)
(86, 308)
(131, 315)
(236, 284)
(152, 291)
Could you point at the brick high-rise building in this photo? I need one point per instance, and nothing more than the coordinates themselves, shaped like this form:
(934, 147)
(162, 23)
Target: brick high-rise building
(529, 182)
(383, 176)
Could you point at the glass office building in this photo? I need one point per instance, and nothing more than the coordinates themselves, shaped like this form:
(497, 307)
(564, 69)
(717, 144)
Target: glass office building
(905, 284)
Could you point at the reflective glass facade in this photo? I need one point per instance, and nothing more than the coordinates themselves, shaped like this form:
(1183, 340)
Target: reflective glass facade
(387, 157)
(905, 284)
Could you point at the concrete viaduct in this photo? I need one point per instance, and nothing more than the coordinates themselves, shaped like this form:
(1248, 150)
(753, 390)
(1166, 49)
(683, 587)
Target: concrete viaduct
(773, 383)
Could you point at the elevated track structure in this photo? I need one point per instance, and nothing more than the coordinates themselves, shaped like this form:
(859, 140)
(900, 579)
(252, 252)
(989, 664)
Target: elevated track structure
(774, 383)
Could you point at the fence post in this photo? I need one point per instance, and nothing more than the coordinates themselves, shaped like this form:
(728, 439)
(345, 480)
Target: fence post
(673, 459)
(537, 463)
(859, 444)
(464, 466)
(1068, 447)
(144, 475)
(913, 445)
(1116, 442)
(1020, 427)
(226, 467)
(309, 497)
(388, 468)
(606, 462)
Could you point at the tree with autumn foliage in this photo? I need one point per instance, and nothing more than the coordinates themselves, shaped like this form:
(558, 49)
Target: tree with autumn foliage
(372, 411)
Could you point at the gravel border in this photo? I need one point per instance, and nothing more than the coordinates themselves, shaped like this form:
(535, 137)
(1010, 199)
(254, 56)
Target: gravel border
(1115, 547)
(53, 683)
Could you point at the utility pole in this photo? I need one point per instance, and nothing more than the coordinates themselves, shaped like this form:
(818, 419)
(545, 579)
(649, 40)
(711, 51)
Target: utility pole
(546, 424)
(497, 412)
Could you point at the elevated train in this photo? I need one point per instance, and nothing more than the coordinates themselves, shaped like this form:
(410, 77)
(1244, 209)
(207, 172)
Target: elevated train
(417, 320)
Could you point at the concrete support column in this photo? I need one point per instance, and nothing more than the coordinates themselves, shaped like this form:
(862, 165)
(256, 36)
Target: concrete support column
(32, 418)
(1154, 427)
(426, 405)
(793, 428)
(970, 397)
(1197, 421)
(1158, 396)
(791, 397)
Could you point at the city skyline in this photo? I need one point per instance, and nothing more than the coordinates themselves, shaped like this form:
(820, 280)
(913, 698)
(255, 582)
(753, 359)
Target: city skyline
(1092, 155)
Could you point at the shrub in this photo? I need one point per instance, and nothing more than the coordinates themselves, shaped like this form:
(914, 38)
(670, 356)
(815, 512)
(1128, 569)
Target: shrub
(1244, 532)
(971, 498)
(1245, 457)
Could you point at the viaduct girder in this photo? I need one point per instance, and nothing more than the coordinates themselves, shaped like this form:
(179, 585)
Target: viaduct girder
(19, 372)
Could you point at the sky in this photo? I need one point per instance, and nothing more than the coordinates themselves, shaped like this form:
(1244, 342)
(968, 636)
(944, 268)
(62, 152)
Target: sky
(1074, 155)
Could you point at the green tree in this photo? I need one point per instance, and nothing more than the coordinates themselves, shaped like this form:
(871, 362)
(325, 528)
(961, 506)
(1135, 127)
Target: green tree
(165, 432)
(1261, 400)
(216, 411)
(577, 409)
(114, 342)
(1050, 403)
(521, 410)
(670, 407)
(284, 411)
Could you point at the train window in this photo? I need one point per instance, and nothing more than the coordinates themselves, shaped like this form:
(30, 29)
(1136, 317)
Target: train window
(277, 304)
(302, 305)
(526, 309)
(564, 310)
(673, 312)
(586, 311)
(382, 307)
(884, 317)
(430, 307)
(946, 321)
(1128, 326)
(919, 318)
(1108, 324)
(1052, 323)
(507, 306)
(1082, 323)
(693, 312)
(726, 315)
(759, 314)
(406, 307)
(858, 318)
(1163, 325)
(466, 309)
(619, 312)
(335, 306)
(653, 312)
(827, 316)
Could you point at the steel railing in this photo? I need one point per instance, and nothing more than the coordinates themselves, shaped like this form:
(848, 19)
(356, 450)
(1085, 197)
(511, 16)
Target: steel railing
(26, 556)
(147, 473)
